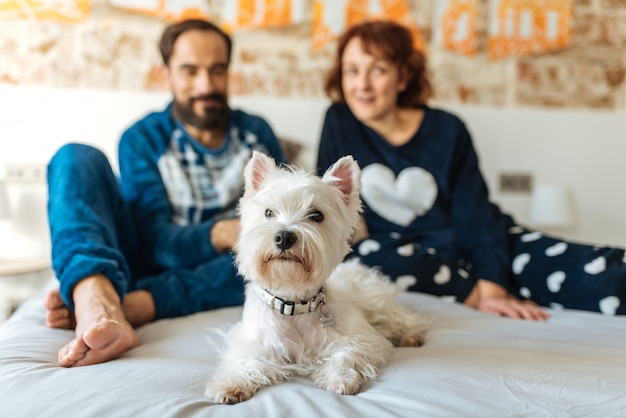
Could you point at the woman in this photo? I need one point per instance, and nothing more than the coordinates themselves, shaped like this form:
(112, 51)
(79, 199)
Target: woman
(428, 222)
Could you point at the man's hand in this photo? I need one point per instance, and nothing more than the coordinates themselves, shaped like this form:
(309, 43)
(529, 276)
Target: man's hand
(224, 234)
(495, 299)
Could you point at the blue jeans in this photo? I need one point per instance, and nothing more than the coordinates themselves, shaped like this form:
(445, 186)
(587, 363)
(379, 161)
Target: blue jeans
(93, 232)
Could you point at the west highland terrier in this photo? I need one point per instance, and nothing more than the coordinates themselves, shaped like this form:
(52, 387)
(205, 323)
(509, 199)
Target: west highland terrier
(306, 313)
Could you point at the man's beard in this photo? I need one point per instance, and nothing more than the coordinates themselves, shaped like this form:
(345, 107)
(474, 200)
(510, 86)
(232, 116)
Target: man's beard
(213, 117)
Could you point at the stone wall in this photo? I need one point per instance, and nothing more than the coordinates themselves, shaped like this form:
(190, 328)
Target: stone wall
(116, 49)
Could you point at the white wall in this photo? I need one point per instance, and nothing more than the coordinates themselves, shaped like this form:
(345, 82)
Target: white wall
(35, 122)
(582, 150)
(579, 149)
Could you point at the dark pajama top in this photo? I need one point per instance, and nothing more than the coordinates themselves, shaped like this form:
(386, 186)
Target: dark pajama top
(433, 229)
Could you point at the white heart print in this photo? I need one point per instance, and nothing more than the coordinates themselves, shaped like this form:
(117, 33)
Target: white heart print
(406, 281)
(556, 306)
(525, 292)
(596, 266)
(609, 305)
(531, 236)
(399, 200)
(557, 249)
(406, 250)
(368, 246)
(443, 275)
(555, 280)
(520, 262)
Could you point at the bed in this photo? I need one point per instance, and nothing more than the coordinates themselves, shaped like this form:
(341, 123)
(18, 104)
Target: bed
(473, 364)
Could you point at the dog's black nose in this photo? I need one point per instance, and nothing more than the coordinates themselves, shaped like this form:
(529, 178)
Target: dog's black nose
(285, 239)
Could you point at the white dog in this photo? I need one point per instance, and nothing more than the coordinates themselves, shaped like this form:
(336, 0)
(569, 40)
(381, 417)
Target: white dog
(305, 314)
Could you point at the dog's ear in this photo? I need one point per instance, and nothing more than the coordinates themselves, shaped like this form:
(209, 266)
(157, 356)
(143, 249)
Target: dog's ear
(345, 175)
(257, 170)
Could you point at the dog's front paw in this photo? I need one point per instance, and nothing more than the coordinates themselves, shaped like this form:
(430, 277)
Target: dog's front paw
(413, 338)
(346, 383)
(228, 395)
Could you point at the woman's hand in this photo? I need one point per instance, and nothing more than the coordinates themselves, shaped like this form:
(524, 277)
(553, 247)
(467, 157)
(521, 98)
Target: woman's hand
(493, 298)
(513, 308)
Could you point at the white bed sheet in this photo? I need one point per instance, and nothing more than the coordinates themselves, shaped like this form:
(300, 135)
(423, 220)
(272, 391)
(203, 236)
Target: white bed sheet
(473, 364)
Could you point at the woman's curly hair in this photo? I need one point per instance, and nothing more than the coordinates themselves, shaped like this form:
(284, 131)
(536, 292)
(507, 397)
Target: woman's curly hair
(392, 42)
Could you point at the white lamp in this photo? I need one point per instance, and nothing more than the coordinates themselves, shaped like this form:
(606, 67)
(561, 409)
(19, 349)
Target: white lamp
(5, 208)
(552, 207)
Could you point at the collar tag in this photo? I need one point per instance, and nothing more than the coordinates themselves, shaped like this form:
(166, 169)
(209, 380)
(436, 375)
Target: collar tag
(326, 319)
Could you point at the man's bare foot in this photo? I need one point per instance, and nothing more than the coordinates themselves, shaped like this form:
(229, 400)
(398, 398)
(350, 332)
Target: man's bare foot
(102, 331)
(138, 308)
(57, 314)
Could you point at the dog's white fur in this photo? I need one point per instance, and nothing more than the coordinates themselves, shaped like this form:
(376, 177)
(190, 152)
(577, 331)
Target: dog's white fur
(267, 347)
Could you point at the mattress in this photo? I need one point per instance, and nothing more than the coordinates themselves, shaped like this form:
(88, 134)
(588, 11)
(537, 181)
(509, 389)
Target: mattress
(473, 364)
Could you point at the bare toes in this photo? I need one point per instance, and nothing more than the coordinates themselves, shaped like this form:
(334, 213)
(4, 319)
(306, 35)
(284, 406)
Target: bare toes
(60, 318)
(57, 314)
(73, 352)
(53, 300)
(104, 341)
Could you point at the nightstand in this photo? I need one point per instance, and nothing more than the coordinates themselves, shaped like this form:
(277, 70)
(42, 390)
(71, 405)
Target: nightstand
(19, 280)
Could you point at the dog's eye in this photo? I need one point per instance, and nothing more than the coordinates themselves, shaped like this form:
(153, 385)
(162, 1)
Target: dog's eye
(316, 216)
(269, 213)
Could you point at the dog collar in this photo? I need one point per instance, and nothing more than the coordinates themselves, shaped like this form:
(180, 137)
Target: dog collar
(289, 307)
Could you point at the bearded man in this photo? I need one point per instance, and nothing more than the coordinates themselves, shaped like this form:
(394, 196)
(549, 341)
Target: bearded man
(155, 243)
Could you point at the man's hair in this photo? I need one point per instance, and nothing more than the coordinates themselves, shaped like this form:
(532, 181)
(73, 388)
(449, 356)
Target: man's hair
(390, 41)
(173, 31)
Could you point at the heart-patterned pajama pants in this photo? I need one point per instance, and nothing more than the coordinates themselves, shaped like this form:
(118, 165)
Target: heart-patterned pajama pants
(548, 270)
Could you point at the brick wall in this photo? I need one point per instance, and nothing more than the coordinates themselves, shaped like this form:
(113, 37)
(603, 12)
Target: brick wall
(116, 50)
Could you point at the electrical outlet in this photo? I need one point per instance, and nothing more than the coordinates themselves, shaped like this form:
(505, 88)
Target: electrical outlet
(25, 172)
(516, 182)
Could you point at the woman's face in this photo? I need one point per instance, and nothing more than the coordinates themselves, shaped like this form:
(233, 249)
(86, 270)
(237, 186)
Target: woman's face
(370, 83)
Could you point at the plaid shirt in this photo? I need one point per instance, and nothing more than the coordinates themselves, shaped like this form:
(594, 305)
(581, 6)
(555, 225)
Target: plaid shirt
(177, 188)
(203, 183)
